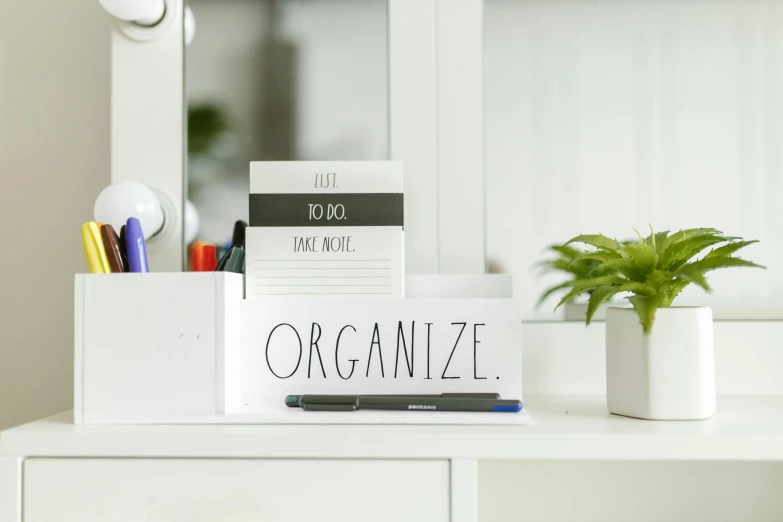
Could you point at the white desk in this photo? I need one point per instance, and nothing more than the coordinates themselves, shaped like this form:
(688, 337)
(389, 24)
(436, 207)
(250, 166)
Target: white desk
(54, 470)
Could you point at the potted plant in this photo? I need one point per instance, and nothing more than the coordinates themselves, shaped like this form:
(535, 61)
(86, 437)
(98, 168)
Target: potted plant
(659, 358)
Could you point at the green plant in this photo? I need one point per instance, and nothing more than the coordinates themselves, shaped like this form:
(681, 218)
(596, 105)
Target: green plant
(205, 123)
(654, 269)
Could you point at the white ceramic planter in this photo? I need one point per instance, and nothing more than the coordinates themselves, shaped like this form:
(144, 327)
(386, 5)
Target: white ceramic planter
(666, 375)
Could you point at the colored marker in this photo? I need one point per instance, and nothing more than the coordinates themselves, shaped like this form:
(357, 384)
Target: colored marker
(93, 249)
(111, 243)
(293, 401)
(221, 266)
(208, 258)
(238, 237)
(236, 261)
(123, 249)
(446, 402)
(195, 256)
(407, 403)
(135, 247)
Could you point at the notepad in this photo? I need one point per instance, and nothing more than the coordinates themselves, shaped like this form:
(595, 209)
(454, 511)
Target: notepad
(325, 229)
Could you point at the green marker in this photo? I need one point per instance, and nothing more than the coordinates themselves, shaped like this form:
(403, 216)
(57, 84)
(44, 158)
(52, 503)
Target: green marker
(236, 261)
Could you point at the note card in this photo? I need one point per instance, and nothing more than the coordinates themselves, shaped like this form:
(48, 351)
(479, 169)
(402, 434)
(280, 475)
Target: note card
(325, 229)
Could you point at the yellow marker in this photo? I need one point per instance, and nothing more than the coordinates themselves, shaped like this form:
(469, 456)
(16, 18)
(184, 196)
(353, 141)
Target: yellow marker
(93, 249)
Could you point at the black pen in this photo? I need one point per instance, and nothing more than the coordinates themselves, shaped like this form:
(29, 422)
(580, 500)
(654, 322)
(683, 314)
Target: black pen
(238, 236)
(444, 402)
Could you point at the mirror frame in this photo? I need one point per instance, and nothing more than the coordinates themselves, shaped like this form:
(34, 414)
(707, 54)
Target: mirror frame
(436, 89)
(148, 122)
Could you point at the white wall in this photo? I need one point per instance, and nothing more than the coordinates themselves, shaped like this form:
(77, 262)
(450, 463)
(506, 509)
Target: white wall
(54, 159)
(602, 116)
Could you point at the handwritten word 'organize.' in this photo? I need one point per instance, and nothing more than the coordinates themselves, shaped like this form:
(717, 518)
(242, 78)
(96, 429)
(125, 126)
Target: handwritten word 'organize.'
(280, 339)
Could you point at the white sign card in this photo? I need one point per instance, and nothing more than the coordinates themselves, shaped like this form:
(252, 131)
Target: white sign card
(395, 346)
(325, 230)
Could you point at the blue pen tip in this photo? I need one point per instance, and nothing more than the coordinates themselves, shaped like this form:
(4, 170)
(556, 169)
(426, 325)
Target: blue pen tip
(508, 408)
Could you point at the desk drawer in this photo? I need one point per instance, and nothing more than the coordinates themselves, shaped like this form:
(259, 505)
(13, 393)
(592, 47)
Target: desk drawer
(195, 490)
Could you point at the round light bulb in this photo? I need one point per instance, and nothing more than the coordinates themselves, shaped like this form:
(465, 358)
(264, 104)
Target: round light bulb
(119, 201)
(143, 12)
(190, 25)
(192, 222)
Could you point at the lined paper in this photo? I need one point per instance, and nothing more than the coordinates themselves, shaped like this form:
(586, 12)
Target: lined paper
(322, 277)
(327, 229)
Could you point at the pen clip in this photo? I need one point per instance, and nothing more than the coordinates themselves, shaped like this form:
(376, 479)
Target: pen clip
(328, 407)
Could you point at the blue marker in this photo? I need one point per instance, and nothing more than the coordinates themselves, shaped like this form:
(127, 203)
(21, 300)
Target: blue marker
(135, 247)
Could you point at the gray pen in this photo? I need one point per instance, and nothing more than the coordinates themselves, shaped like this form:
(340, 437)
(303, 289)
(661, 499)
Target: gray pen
(409, 403)
(294, 401)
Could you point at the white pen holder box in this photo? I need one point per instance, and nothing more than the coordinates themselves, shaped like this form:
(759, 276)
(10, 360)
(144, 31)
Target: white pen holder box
(152, 346)
(187, 348)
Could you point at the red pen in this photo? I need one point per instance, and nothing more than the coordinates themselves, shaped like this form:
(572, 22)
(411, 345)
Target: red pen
(208, 258)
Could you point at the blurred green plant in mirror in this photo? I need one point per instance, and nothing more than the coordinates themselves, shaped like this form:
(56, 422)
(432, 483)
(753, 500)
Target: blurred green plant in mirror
(206, 122)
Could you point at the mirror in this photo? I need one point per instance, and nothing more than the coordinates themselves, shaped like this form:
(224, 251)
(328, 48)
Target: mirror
(605, 116)
(280, 80)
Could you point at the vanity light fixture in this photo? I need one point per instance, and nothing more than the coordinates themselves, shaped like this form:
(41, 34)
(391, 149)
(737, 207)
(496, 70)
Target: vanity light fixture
(146, 20)
(146, 13)
(153, 208)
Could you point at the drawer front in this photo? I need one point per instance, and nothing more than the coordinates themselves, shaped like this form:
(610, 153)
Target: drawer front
(174, 490)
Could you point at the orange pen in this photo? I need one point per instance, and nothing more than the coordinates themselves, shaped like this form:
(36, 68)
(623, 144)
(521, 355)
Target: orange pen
(195, 256)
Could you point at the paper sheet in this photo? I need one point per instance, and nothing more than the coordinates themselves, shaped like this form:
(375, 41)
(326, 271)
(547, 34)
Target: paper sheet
(327, 229)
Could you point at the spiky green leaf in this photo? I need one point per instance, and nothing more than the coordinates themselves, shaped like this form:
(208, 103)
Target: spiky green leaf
(727, 250)
(686, 249)
(551, 291)
(713, 263)
(601, 294)
(646, 307)
(637, 288)
(671, 291)
(581, 286)
(693, 275)
(597, 298)
(625, 266)
(643, 254)
(563, 265)
(686, 234)
(597, 240)
(597, 256)
(565, 251)
(650, 240)
(660, 238)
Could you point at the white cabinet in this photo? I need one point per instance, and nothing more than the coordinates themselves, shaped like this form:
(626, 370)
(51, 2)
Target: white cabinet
(174, 490)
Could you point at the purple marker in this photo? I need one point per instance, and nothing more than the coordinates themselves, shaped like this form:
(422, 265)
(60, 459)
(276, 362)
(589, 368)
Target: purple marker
(135, 247)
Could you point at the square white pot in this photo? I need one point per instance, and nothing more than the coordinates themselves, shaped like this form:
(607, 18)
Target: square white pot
(666, 375)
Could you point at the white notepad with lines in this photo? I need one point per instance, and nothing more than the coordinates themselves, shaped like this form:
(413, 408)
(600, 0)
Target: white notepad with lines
(325, 229)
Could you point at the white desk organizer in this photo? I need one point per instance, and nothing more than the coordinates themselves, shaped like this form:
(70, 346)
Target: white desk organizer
(174, 348)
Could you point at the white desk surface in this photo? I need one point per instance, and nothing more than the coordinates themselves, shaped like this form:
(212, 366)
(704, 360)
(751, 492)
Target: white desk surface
(574, 428)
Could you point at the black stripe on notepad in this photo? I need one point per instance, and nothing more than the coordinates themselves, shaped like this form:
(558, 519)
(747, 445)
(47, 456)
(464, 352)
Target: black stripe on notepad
(326, 210)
